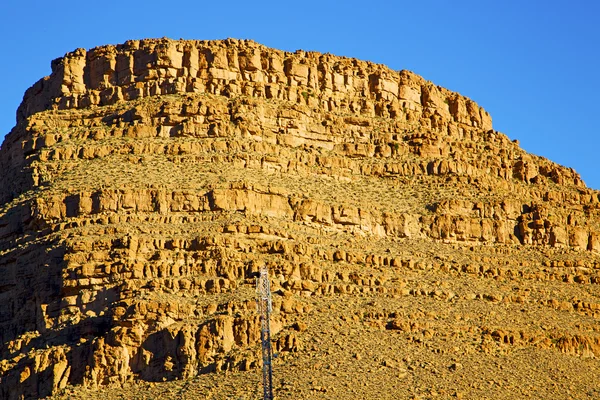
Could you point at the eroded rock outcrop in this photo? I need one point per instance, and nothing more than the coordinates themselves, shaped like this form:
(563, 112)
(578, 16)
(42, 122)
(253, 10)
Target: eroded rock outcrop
(145, 183)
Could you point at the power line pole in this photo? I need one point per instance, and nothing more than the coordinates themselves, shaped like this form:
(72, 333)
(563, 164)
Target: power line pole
(265, 306)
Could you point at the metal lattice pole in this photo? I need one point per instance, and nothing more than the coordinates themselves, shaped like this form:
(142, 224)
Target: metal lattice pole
(263, 293)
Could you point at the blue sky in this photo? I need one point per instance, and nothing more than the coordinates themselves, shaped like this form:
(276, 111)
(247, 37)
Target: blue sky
(534, 65)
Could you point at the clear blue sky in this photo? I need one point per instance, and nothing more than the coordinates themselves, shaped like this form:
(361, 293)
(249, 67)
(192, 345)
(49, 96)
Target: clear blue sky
(534, 65)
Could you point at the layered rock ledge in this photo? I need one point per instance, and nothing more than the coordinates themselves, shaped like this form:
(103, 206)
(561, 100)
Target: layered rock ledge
(145, 183)
(138, 69)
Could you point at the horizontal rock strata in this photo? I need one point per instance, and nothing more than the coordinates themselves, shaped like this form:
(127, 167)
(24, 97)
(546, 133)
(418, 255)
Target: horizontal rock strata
(146, 183)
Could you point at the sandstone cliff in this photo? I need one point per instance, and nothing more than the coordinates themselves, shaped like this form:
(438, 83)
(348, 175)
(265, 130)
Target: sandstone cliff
(145, 183)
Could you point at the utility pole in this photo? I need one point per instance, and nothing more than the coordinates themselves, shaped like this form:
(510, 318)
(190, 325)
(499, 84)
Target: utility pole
(265, 306)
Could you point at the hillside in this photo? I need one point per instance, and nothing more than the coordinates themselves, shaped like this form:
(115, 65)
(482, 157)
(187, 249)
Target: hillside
(415, 252)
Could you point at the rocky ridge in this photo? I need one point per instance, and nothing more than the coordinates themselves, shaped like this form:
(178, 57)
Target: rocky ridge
(145, 183)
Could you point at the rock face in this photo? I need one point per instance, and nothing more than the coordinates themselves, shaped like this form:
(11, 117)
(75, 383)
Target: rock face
(144, 185)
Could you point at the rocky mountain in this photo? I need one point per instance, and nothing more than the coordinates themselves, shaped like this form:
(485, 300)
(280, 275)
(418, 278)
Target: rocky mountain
(414, 251)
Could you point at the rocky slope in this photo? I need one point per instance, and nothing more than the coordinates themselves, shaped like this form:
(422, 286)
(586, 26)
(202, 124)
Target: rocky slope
(413, 249)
